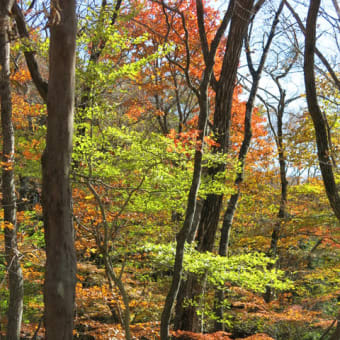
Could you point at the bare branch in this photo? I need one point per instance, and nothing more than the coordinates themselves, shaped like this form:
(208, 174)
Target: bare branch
(317, 51)
(31, 61)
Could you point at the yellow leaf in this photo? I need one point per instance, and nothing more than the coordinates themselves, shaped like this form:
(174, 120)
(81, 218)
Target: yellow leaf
(6, 224)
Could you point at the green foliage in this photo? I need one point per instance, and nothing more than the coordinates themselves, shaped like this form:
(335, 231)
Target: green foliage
(248, 270)
(116, 46)
(131, 159)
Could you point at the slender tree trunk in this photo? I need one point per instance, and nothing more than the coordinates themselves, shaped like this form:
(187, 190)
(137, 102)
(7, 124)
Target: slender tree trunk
(31, 61)
(283, 179)
(119, 283)
(15, 278)
(319, 122)
(191, 208)
(284, 188)
(336, 334)
(60, 275)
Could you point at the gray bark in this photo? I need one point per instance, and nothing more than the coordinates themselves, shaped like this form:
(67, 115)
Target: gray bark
(60, 275)
(284, 185)
(15, 278)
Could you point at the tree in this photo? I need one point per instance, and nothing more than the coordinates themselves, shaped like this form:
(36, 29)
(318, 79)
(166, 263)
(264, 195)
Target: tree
(60, 276)
(233, 201)
(136, 147)
(224, 89)
(8, 187)
(319, 120)
(279, 137)
(169, 98)
(202, 95)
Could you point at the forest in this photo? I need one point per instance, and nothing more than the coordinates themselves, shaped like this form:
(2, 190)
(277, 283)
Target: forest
(170, 170)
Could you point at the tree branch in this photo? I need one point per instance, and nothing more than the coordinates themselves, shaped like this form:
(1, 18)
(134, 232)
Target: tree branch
(40, 83)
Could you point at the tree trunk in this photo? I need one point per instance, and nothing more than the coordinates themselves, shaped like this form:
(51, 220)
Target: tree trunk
(222, 117)
(190, 212)
(336, 334)
(15, 278)
(188, 229)
(31, 61)
(284, 189)
(110, 273)
(319, 120)
(60, 275)
(233, 201)
(212, 204)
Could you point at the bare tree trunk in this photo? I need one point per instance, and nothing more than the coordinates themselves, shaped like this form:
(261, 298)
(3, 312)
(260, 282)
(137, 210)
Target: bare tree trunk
(284, 187)
(60, 276)
(116, 279)
(319, 120)
(222, 117)
(15, 277)
(31, 61)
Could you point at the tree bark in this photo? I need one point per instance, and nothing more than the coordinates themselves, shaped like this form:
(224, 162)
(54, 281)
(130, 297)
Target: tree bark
(31, 61)
(60, 275)
(284, 187)
(187, 229)
(233, 201)
(190, 212)
(222, 117)
(319, 122)
(15, 278)
(336, 334)
(212, 204)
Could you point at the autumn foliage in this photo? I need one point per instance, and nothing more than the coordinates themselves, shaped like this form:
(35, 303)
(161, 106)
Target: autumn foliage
(132, 164)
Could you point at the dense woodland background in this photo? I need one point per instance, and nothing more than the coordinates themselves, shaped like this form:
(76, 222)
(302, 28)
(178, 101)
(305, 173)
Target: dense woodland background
(204, 173)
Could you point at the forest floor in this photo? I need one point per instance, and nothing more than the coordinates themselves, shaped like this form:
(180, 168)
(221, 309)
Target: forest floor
(99, 308)
(99, 311)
